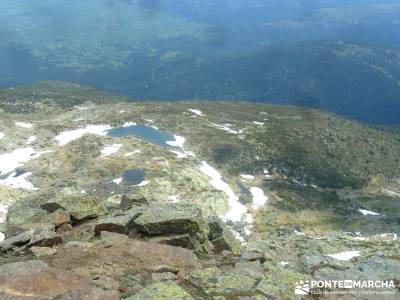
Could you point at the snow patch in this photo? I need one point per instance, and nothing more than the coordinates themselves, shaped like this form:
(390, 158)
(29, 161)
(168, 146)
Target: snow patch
(1, 135)
(127, 124)
(250, 177)
(259, 198)
(299, 232)
(132, 153)
(173, 199)
(368, 212)
(117, 181)
(23, 125)
(2, 237)
(197, 112)
(18, 182)
(143, 183)
(31, 140)
(81, 107)
(179, 141)
(10, 161)
(66, 137)
(344, 256)
(225, 128)
(236, 209)
(258, 123)
(109, 150)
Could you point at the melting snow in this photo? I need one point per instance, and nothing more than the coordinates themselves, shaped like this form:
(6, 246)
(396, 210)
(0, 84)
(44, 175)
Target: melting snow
(244, 176)
(10, 161)
(236, 209)
(284, 263)
(2, 237)
(225, 128)
(66, 137)
(31, 140)
(128, 124)
(117, 181)
(179, 141)
(173, 199)
(368, 212)
(258, 123)
(108, 150)
(347, 255)
(197, 112)
(81, 107)
(18, 182)
(132, 153)
(24, 125)
(298, 232)
(1, 135)
(143, 183)
(259, 199)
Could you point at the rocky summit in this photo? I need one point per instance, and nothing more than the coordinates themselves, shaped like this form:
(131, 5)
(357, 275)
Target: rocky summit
(102, 197)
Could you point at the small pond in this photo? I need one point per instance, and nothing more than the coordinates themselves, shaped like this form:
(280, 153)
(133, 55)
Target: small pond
(134, 176)
(145, 132)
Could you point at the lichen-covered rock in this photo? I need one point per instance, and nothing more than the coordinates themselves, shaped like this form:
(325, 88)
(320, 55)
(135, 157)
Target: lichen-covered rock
(170, 219)
(113, 224)
(216, 227)
(161, 290)
(44, 236)
(113, 238)
(176, 219)
(83, 208)
(159, 277)
(17, 240)
(130, 200)
(43, 251)
(227, 241)
(212, 281)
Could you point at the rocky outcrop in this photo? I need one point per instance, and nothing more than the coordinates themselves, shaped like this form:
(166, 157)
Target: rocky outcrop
(79, 208)
(44, 236)
(161, 290)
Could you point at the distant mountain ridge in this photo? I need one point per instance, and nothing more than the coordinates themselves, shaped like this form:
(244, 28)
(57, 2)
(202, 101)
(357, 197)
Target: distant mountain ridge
(358, 81)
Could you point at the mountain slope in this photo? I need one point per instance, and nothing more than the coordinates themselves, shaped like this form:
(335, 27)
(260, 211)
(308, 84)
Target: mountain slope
(284, 191)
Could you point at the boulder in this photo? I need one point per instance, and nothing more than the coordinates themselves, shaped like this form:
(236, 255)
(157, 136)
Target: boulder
(169, 219)
(51, 206)
(227, 241)
(216, 227)
(59, 218)
(164, 269)
(113, 238)
(131, 200)
(252, 256)
(231, 284)
(161, 290)
(43, 251)
(43, 236)
(82, 208)
(178, 240)
(16, 240)
(176, 219)
(113, 224)
(167, 276)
